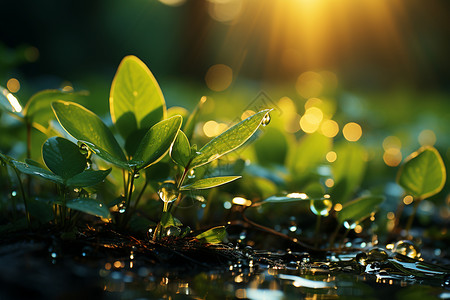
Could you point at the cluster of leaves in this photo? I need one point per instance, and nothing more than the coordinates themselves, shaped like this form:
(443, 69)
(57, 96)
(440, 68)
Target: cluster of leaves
(139, 115)
(157, 143)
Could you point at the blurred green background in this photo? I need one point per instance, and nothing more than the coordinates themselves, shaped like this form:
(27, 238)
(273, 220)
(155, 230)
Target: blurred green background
(374, 72)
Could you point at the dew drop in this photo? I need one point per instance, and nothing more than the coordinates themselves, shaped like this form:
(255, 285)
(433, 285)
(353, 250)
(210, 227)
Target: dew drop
(407, 248)
(377, 254)
(350, 224)
(266, 120)
(168, 193)
(136, 175)
(122, 207)
(361, 258)
(320, 207)
(191, 174)
(446, 282)
(88, 163)
(173, 231)
(14, 193)
(83, 149)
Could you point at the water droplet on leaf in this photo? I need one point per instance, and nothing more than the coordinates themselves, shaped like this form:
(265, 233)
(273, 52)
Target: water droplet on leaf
(407, 248)
(266, 120)
(377, 254)
(88, 163)
(173, 231)
(136, 175)
(320, 207)
(168, 193)
(361, 258)
(191, 174)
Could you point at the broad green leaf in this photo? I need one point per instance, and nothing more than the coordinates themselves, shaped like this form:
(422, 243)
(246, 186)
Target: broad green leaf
(229, 140)
(88, 178)
(90, 206)
(37, 171)
(32, 162)
(214, 235)
(63, 157)
(136, 100)
(309, 153)
(40, 210)
(168, 220)
(420, 268)
(207, 183)
(348, 170)
(189, 126)
(292, 197)
(87, 127)
(181, 150)
(423, 173)
(10, 103)
(285, 199)
(271, 148)
(156, 142)
(359, 209)
(38, 109)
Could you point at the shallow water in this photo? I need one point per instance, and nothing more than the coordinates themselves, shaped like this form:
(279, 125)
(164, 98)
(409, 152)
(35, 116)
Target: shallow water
(283, 275)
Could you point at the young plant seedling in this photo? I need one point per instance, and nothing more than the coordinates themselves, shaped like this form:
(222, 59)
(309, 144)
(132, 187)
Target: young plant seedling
(422, 175)
(188, 158)
(67, 168)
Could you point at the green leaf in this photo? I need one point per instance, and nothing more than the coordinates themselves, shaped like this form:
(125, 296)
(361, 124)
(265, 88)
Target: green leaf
(181, 150)
(87, 127)
(40, 210)
(136, 100)
(63, 157)
(207, 183)
(37, 171)
(308, 154)
(189, 126)
(214, 235)
(229, 140)
(10, 103)
(359, 209)
(423, 173)
(90, 206)
(38, 109)
(272, 147)
(88, 178)
(168, 220)
(156, 142)
(348, 171)
(32, 162)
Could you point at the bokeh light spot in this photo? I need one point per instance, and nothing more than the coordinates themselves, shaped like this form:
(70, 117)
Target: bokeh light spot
(331, 156)
(392, 157)
(225, 10)
(309, 84)
(427, 137)
(13, 85)
(219, 77)
(172, 2)
(329, 128)
(352, 132)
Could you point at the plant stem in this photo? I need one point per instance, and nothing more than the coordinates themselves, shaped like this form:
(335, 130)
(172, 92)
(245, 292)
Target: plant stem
(140, 195)
(343, 238)
(317, 230)
(411, 217)
(25, 202)
(64, 206)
